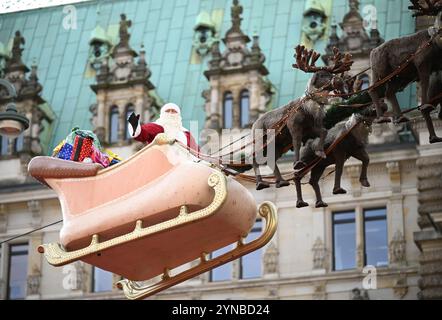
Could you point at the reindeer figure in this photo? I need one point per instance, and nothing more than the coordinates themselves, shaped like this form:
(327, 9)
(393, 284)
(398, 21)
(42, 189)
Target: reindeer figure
(389, 56)
(352, 145)
(307, 121)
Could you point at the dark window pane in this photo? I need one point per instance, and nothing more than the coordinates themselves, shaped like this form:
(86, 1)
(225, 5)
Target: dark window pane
(228, 111)
(244, 108)
(376, 243)
(102, 280)
(4, 145)
(344, 241)
(113, 137)
(251, 263)
(223, 272)
(129, 111)
(18, 271)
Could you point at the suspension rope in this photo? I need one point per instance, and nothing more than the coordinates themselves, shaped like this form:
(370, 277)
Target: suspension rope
(26, 233)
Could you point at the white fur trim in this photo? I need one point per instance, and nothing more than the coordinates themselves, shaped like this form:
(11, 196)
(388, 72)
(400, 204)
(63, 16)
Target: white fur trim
(172, 106)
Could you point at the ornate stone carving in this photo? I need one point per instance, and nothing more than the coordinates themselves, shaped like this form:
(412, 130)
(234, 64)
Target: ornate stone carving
(122, 81)
(353, 172)
(319, 254)
(238, 68)
(82, 276)
(319, 291)
(354, 39)
(359, 294)
(35, 209)
(400, 288)
(271, 259)
(33, 283)
(395, 176)
(397, 248)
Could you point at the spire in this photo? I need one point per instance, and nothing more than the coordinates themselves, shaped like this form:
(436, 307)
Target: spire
(256, 54)
(15, 62)
(354, 5)
(124, 31)
(235, 32)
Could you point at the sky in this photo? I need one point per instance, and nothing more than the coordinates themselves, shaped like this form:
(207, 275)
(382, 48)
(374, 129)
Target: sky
(20, 5)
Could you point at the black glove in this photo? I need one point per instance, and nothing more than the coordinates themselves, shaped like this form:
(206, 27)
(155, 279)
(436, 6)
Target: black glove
(134, 121)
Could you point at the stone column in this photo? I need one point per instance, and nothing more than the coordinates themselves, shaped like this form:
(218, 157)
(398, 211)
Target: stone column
(33, 291)
(236, 109)
(100, 130)
(429, 239)
(215, 105)
(254, 98)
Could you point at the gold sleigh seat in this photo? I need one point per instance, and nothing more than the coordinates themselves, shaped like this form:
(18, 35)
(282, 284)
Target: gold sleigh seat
(147, 215)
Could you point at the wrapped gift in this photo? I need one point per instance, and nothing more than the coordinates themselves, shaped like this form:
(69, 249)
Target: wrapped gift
(82, 148)
(65, 152)
(98, 157)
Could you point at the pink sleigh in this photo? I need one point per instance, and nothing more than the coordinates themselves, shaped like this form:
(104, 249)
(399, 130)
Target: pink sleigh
(147, 215)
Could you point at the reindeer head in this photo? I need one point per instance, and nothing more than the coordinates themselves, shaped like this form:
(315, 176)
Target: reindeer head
(325, 79)
(430, 8)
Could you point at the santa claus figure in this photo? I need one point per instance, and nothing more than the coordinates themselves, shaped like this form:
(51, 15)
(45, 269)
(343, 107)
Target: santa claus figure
(170, 123)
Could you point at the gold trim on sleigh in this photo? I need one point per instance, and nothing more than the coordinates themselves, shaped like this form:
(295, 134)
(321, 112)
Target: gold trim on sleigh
(134, 291)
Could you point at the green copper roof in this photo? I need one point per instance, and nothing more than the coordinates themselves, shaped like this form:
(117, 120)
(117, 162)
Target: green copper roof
(204, 20)
(166, 28)
(3, 51)
(98, 34)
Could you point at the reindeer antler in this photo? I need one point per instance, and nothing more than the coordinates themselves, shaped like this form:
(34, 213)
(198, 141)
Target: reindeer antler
(341, 62)
(431, 8)
(303, 57)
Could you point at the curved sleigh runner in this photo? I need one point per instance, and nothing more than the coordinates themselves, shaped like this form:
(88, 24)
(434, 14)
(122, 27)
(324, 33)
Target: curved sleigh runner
(150, 214)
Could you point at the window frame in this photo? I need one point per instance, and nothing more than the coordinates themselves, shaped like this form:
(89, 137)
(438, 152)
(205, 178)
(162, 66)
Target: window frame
(364, 234)
(230, 95)
(114, 110)
(333, 264)
(10, 254)
(241, 94)
(94, 268)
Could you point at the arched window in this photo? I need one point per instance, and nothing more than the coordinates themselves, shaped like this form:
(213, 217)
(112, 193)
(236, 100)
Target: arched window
(113, 125)
(365, 81)
(4, 141)
(228, 110)
(244, 108)
(19, 143)
(129, 109)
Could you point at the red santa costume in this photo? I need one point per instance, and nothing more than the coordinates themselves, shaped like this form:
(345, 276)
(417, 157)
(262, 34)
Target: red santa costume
(170, 123)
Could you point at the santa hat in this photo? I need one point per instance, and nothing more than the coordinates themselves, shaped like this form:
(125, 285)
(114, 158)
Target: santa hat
(169, 106)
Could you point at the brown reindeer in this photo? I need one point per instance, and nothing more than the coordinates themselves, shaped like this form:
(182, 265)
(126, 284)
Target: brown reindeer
(307, 121)
(352, 145)
(386, 58)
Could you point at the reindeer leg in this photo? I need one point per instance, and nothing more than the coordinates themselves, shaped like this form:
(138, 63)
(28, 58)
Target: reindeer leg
(391, 97)
(259, 183)
(340, 160)
(362, 155)
(300, 203)
(376, 101)
(427, 108)
(297, 138)
(280, 182)
(320, 151)
(315, 175)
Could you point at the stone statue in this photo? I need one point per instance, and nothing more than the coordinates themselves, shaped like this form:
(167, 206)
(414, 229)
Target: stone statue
(124, 31)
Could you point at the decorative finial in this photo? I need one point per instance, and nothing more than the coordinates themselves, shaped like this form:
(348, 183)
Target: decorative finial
(236, 12)
(354, 5)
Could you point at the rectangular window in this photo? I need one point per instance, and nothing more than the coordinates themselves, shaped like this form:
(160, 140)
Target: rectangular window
(375, 235)
(344, 240)
(250, 264)
(223, 272)
(18, 271)
(102, 280)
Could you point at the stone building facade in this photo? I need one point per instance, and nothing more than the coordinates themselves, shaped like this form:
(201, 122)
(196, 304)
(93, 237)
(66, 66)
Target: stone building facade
(395, 223)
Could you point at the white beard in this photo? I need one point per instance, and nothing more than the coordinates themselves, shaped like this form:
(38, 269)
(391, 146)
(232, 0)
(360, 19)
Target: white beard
(173, 127)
